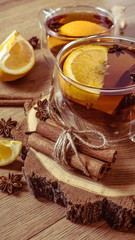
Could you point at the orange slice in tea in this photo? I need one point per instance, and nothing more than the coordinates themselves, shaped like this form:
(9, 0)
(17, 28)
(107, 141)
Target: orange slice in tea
(86, 67)
(81, 28)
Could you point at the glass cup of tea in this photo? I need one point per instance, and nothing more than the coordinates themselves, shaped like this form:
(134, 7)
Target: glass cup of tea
(62, 25)
(94, 86)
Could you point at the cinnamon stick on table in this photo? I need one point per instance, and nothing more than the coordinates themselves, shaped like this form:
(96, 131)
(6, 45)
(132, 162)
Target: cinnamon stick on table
(52, 132)
(95, 167)
(14, 97)
(12, 102)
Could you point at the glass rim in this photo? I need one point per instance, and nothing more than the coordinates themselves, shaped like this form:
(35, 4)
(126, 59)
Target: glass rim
(103, 10)
(82, 86)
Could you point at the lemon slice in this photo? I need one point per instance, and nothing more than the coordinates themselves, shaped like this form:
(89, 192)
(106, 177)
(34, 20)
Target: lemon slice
(16, 57)
(9, 151)
(81, 28)
(86, 66)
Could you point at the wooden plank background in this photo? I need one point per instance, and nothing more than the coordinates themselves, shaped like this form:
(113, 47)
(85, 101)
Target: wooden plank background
(22, 216)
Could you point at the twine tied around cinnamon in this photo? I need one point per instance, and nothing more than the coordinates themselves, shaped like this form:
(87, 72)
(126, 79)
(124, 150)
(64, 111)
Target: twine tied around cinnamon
(66, 140)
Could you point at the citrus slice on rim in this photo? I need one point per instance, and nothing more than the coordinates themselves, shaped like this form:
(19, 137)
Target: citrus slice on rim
(80, 28)
(85, 65)
(16, 57)
(9, 151)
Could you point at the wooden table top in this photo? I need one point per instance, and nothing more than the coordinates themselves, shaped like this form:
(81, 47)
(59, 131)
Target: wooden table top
(21, 215)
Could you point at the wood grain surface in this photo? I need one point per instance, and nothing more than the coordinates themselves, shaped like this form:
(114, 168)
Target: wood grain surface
(22, 216)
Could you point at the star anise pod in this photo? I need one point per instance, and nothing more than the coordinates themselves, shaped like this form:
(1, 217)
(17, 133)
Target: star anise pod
(42, 112)
(54, 24)
(11, 183)
(117, 49)
(34, 41)
(7, 126)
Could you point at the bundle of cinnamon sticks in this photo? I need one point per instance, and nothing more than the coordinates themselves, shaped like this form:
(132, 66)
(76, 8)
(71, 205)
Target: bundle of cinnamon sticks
(97, 162)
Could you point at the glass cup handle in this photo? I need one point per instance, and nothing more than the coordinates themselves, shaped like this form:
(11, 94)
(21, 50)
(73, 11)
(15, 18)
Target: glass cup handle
(42, 16)
(120, 23)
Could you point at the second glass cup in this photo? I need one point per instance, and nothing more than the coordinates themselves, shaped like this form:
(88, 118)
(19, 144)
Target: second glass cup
(62, 25)
(94, 86)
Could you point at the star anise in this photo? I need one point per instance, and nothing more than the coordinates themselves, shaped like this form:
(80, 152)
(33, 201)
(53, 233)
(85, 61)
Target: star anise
(7, 126)
(11, 183)
(54, 24)
(117, 49)
(34, 41)
(42, 112)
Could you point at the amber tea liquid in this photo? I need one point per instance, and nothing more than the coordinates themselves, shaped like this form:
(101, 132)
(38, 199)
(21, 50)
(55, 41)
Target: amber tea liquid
(114, 108)
(55, 43)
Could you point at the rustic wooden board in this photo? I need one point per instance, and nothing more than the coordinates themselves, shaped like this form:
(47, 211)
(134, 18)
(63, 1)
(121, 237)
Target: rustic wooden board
(67, 230)
(36, 221)
(30, 218)
(81, 206)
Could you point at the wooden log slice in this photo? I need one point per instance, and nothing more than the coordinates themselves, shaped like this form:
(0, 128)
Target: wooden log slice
(86, 201)
(81, 206)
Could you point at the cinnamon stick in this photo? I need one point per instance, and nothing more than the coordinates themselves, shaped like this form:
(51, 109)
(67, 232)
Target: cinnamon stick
(95, 167)
(12, 102)
(52, 132)
(13, 97)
